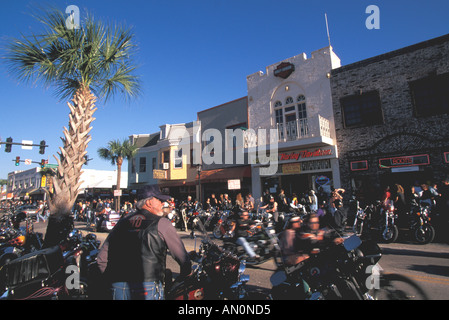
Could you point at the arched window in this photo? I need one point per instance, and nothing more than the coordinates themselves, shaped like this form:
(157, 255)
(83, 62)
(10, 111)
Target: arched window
(291, 117)
(289, 100)
(302, 111)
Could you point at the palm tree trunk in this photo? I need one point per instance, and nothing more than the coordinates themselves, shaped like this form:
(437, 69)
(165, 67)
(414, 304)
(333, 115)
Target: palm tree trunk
(71, 158)
(119, 176)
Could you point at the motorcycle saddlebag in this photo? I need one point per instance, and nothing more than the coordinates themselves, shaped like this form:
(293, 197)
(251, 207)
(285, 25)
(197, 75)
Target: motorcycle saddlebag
(35, 267)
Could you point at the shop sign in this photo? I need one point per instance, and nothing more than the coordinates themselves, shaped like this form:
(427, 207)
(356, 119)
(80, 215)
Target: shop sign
(404, 161)
(284, 70)
(159, 174)
(322, 180)
(291, 168)
(234, 184)
(305, 154)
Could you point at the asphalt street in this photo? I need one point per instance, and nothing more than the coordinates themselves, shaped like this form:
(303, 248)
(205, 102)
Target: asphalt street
(428, 265)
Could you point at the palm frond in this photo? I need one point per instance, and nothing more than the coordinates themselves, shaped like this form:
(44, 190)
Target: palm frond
(96, 56)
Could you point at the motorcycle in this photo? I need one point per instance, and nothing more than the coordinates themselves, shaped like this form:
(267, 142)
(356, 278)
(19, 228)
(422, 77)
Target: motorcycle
(223, 226)
(418, 223)
(379, 220)
(216, 275)
(332, 272)
(361, 218)
(105, 222)
(264, 242)
(20, 242)
(212, 219)
(53, 273)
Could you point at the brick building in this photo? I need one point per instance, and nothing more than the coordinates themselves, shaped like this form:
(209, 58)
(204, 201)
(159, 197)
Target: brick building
(392, 118)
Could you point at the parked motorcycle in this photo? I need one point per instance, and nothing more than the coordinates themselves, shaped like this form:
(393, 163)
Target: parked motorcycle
(52, 273)
(377, 220)
(21, 241)
(216, 275)
(223, 226)
(106, 222)
(417, 223)
(212, 219)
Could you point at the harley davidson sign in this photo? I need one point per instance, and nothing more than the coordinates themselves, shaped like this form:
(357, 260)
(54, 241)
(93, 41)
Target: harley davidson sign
(303, 154)
(284, 70)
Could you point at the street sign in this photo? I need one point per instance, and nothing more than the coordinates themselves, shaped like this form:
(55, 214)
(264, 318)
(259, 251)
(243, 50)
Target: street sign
(28, 161)
(49, 165)
(117, 193)
(27, 144)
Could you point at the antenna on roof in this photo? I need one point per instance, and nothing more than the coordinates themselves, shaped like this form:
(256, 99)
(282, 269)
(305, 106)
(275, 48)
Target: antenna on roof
(327, 28)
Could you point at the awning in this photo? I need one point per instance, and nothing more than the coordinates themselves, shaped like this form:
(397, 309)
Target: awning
(225, 174)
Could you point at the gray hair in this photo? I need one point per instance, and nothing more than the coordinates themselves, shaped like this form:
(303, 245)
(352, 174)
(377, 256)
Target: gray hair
(141, 203)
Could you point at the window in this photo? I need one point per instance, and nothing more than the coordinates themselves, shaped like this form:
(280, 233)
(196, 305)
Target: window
(279, 116)
(291, 118)
(359, 165)
(302, 112)
(431, 95)
(133, 165)
(143, 164)
(165, 159)
(362, 109)
(153, 163)
(178, 158)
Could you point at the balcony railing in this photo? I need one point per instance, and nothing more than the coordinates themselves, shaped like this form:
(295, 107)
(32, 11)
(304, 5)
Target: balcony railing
(317, 126)
(303, 128)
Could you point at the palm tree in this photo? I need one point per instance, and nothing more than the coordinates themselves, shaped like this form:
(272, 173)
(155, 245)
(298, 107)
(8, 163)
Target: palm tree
(116, 152)
(85, 63)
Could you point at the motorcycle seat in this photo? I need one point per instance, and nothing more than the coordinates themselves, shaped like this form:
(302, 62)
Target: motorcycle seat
(34, 267)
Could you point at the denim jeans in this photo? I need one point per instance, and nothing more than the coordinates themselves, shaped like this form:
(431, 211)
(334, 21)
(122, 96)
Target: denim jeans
(137, 291)
(243, 242)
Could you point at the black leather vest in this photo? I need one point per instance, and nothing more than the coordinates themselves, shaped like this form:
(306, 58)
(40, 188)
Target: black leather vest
(136, 251)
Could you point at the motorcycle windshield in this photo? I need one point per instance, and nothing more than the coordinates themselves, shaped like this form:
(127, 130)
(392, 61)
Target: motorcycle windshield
(352, 243)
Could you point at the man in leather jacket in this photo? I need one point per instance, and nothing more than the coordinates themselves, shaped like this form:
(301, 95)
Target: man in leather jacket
(133, 257)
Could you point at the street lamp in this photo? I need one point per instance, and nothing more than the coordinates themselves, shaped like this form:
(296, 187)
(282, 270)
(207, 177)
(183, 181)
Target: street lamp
(198, 168)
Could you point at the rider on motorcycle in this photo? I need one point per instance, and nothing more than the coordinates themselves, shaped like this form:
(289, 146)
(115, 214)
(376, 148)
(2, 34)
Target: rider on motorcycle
(289, 240)
(241, 228)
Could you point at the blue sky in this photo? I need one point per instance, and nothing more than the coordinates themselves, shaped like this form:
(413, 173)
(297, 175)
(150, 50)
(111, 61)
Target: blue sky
(194, 55)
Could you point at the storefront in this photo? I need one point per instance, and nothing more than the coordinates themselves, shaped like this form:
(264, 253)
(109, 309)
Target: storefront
(372, 174)
(300, 170)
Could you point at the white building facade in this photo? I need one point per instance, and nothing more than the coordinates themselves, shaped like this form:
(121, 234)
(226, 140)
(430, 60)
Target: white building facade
(293, 98)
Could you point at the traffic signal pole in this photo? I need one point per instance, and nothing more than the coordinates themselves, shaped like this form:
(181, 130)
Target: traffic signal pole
(9, 143)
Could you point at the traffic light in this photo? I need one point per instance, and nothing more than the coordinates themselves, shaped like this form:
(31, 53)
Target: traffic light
(42, 147)
(17, 161)
(8, 144)
(43, 162)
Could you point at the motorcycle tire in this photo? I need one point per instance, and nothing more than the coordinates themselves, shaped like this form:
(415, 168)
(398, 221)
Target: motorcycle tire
(398, 287)
(391, 235)
(425, 234)
(217, 232)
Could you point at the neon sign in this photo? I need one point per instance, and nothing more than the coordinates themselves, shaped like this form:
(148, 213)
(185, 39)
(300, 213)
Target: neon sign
(304, 154)
(404, 161)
